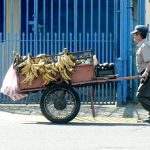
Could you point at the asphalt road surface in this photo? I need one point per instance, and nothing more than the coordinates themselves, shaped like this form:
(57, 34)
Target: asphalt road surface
(34, 132)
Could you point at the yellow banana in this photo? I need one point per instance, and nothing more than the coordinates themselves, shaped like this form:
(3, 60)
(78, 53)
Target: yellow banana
(58, 66)
(34, 71)
(40, 64)
(29, 77)
(64, 61)
(51, 78)
(69, 73)
(46, 82)
(26, 68)
(45, 79)
(63, 76)
(41, 70)
(60, 62)
(32, 77)
(54, 67)
(67, 76)
(70, 69)
(68, 59)
(21, 64)
(51, 72)
(48, 65)
(66, 81)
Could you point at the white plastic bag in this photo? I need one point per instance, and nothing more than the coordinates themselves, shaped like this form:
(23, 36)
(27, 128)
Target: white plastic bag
(10, 86)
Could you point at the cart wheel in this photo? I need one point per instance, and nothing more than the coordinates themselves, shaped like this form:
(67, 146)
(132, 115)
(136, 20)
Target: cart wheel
(60, 103)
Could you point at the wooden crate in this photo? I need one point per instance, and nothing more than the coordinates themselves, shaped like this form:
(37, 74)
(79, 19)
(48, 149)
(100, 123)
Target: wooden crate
(83, 72)
(37, 84)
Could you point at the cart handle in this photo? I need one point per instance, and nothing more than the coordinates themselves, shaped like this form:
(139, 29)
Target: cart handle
(103, 80)
(129, 78)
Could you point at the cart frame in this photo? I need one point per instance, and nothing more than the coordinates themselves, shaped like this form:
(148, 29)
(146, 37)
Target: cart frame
(90, 80)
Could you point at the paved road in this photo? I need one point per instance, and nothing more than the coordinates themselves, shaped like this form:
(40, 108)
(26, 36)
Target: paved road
(34, 132)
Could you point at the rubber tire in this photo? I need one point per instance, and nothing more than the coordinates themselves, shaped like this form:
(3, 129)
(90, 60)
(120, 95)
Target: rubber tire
(76, 107)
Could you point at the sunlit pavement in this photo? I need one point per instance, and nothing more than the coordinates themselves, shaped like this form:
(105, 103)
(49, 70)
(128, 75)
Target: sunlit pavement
(131, 113)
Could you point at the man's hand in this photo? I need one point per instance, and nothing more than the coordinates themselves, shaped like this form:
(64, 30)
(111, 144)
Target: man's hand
(146, 72)
(145, 75)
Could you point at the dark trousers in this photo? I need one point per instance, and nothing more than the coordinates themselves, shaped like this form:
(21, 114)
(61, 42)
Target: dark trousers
(143, 94)
(145, 102)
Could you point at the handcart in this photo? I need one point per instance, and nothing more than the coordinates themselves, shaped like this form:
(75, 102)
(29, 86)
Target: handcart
(60, 103)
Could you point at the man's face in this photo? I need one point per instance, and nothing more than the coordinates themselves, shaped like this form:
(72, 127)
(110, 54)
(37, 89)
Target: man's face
(137, 38)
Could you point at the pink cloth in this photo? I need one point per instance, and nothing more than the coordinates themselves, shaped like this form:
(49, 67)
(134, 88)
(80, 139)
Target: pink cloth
(10, 86)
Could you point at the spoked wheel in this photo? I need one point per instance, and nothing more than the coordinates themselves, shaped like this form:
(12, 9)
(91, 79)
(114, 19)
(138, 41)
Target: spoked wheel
(60, 103)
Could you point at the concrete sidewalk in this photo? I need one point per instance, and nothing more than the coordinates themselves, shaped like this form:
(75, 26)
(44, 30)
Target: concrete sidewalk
(135, 111)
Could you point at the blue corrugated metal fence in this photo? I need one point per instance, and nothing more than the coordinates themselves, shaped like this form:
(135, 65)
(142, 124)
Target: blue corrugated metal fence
(50, 25)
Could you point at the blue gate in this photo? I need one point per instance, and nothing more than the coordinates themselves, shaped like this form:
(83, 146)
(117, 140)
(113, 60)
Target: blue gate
(48, 26)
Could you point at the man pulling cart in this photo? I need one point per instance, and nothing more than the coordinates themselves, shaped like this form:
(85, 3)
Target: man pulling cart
(60, 103)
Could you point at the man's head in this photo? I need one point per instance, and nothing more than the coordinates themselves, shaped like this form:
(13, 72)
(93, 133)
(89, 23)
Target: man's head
(140, 33)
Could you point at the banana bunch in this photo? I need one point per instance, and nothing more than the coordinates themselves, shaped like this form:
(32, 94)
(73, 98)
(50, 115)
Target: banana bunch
(46, 68)
(28, 69)
(47, 71)
(43, 66)
(44, 57)
(65, 66)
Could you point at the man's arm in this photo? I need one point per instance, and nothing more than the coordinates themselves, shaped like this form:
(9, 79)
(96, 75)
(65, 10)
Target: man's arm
(145, 74)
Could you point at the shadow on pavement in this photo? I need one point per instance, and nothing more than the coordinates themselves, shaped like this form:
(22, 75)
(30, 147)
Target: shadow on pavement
(117, 109)
(90, 124)
(130, 110)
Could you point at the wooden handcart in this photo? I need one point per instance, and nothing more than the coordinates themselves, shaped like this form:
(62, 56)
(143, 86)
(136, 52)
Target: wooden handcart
(60, 103)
